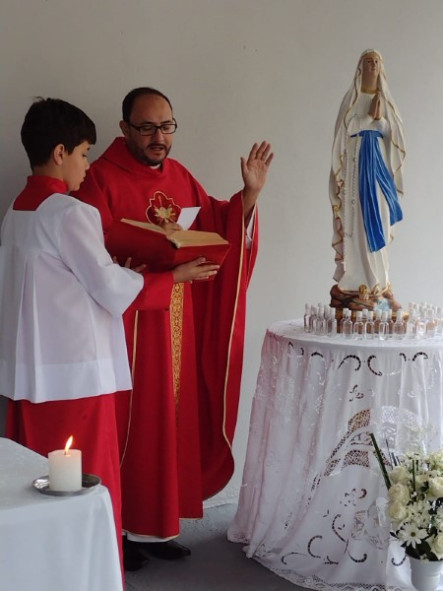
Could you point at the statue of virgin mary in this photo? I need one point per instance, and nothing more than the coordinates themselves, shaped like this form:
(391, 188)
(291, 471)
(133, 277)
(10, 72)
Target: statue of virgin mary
(365, 185)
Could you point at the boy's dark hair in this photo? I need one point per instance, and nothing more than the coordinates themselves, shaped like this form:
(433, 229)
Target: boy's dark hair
(50, 122)
(128, 101)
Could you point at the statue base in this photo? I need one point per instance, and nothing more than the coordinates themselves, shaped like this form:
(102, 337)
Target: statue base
(363, 299)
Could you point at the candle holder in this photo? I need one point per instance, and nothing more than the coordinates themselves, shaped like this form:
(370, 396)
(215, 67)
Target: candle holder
(89, 481)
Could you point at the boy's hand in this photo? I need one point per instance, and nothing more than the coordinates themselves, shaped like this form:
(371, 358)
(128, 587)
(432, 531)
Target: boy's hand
(137, 268)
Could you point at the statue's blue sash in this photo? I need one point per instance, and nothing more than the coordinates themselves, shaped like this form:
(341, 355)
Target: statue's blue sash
(373, 171)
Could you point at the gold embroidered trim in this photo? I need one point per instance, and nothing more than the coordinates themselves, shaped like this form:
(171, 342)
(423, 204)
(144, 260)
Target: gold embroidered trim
(228, 367)
(176, 313)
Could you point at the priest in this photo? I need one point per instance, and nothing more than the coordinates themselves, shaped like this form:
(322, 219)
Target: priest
(177, 423)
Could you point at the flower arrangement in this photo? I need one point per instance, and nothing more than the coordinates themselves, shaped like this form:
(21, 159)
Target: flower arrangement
(415, 502)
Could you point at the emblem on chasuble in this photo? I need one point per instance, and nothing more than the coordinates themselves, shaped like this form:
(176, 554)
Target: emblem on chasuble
(162, 209)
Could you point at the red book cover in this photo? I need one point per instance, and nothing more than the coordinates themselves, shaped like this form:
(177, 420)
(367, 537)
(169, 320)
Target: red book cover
(147, 243)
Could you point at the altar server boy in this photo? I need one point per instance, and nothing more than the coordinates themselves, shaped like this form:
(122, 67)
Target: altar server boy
(62, 343)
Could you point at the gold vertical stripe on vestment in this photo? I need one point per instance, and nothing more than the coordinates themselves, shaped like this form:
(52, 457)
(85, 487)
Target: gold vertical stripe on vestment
(176, 314)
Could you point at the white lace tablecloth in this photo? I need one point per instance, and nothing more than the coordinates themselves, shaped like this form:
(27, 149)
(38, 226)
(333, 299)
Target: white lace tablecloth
(311, 502)
(52, 543)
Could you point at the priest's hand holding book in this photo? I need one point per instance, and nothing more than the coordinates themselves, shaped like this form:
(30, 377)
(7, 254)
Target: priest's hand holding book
(197, 270)
(191, 255)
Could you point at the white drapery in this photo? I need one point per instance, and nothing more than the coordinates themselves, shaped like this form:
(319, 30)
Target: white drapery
(311, 503)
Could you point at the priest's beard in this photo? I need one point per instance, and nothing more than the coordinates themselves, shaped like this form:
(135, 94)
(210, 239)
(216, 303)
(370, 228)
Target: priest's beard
(141, 156)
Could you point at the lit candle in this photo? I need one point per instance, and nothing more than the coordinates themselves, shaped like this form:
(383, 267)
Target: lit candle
(65, 468)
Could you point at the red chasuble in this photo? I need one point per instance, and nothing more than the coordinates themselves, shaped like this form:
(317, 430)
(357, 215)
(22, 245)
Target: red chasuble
(177, 424)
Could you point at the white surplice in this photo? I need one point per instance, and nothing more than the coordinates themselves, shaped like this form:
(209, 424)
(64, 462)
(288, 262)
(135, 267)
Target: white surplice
(61, 305)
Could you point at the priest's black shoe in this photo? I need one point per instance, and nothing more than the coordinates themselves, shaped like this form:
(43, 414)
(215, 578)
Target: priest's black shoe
(167, 550)
(133, 558)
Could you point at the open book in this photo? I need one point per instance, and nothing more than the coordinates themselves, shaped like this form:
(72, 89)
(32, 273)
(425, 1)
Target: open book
(147, 243)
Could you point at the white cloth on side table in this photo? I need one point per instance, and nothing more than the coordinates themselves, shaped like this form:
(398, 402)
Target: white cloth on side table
(311, 502)
(48, 543)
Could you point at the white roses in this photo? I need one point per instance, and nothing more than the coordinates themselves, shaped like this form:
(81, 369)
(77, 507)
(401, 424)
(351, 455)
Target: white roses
(399, 493)
(415, 507)
(436, 486)
(399, 474)
(398, 511)
(437, 546)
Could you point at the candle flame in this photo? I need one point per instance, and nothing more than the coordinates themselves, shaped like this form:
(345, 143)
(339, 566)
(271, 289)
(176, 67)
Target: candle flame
(68, 444)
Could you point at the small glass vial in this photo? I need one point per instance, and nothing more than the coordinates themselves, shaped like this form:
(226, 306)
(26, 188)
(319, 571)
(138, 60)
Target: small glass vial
(359, 326)
(399, 328)
(431, 324)
(306, 317)
(410, 325)
(390, 321)
(364, 315)
(312, 319)
(370, 326)
(347, 325)
(332, 323)
(383, 327)
(420, 325)
(320, 321)
(343, 318)
(377, 319)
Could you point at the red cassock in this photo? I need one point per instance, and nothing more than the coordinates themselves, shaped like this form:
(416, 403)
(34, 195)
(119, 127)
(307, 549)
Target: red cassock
(177, 424)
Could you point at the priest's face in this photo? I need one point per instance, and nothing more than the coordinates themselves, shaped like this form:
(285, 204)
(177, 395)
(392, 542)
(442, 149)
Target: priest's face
(147, 110)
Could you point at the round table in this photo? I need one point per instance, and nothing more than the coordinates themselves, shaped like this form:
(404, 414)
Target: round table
(312, 502)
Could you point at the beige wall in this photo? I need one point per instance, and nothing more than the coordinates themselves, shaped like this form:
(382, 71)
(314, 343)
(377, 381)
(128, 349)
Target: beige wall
(238, 71)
